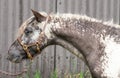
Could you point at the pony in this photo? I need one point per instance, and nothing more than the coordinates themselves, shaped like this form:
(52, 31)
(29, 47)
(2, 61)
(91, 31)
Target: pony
(96, 40)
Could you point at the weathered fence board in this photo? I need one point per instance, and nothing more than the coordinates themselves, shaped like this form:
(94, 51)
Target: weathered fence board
(14, 12)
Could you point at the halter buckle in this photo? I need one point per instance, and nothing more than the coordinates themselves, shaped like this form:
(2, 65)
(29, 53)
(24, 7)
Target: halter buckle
(25, 47)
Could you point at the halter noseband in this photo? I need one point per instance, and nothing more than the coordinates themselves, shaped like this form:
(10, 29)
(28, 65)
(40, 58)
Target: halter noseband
(37, 43)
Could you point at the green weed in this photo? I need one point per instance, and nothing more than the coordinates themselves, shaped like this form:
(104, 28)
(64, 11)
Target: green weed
(54, 74)
(37, 74)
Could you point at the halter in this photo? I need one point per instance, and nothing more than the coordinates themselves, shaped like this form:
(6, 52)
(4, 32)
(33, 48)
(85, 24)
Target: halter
(37, 43)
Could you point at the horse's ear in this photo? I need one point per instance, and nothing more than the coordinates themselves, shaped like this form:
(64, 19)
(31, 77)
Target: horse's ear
(39, 17)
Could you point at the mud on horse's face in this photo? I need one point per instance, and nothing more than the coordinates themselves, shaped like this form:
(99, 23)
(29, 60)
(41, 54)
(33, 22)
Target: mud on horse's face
(31, 39)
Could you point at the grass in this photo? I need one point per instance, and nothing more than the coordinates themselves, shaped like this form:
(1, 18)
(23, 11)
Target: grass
(54, 74)
(37, 74)
(81, 75)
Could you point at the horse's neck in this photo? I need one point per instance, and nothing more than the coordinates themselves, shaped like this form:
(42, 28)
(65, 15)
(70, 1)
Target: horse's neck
(89, 38)
(82, 34)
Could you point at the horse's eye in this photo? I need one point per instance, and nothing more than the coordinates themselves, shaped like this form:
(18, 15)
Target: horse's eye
(28, 30)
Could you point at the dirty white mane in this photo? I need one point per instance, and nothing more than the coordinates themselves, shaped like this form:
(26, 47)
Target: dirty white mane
(85, 17)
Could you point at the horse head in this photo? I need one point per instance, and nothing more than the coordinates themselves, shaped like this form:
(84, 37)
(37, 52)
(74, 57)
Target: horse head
(32, 38)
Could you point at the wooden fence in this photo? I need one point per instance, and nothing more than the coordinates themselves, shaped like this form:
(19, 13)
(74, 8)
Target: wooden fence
(14, 12)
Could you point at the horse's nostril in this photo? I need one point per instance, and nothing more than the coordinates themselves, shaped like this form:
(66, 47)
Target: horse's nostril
(18, 56)
(11, 57)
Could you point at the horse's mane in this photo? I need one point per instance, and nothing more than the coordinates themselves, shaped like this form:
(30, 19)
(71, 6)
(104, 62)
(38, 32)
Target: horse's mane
(86, 18)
